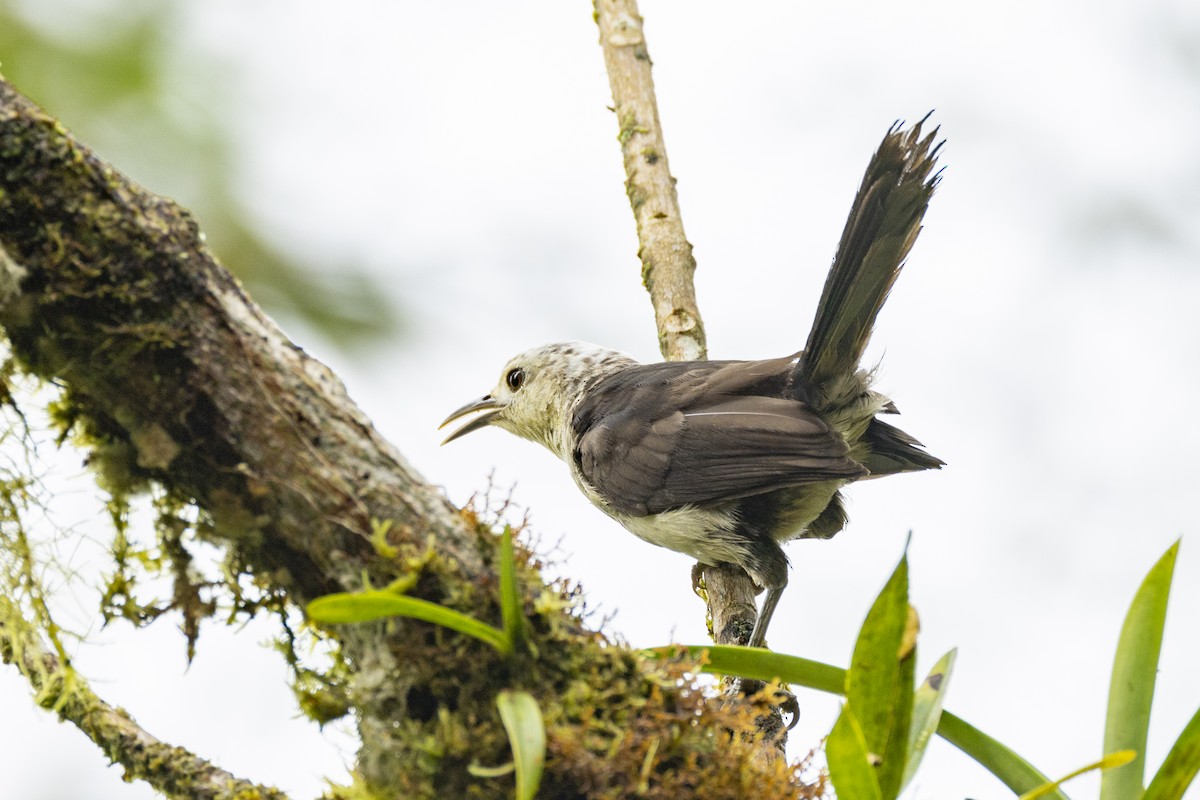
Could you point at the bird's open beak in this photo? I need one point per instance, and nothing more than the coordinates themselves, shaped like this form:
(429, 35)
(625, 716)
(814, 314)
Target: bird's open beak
(486, 403)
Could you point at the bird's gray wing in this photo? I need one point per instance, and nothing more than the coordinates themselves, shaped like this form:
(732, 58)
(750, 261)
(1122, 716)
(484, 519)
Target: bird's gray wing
(645, 452)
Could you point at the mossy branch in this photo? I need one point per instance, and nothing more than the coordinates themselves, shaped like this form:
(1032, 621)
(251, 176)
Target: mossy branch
(174, 771)
(174, 378)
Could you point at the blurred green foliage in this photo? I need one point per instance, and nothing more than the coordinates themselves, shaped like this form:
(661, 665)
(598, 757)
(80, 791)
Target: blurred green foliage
(123, 76)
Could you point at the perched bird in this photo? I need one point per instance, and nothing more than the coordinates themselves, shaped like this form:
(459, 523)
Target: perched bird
(725, 460)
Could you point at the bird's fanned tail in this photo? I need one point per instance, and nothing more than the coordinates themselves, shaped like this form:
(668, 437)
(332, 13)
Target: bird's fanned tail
(883, 224)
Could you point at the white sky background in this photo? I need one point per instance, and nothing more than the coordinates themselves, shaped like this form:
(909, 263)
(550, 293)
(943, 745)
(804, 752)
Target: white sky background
(1042, 339)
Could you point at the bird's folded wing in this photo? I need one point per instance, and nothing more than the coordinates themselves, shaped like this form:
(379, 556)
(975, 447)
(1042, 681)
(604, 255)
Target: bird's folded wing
(646, 457)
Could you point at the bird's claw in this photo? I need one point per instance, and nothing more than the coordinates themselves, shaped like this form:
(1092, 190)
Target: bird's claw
(698, 580)
(788, 705)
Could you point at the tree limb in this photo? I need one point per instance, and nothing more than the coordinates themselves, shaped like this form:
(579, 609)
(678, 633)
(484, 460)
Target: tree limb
(174, 771)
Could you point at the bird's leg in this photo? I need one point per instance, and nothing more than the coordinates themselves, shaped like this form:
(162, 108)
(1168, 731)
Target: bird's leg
(758, 636)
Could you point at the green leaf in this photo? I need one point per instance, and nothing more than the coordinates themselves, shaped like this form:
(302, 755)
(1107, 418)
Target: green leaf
(760, 664)
(527, 735)
(1015, 772)
(850, 767)
(1117, 759)
(510, 597)
(1134, 671)
(373, 604)
(926, 713)
(1179, 768)
(879, 684)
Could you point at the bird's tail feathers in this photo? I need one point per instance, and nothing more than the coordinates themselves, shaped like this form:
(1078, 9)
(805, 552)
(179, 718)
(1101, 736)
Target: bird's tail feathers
(883, 224)
(891, 451)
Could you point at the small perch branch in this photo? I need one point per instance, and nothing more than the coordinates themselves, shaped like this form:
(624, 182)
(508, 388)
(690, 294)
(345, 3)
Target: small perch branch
(667, 262)
(174, 771)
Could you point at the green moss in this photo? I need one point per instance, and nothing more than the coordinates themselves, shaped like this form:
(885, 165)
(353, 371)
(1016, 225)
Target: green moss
(629, 127)
(636, 192)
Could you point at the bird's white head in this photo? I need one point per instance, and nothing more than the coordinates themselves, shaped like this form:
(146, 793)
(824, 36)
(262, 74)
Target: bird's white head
(538, 390)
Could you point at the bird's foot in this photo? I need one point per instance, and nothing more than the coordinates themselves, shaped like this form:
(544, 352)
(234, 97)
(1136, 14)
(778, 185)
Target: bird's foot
(788, 705)
(698, 580)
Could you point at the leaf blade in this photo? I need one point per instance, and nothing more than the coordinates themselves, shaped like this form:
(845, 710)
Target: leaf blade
(849, 762)
(1135, 669)
(928, 701)
(1180, 767)
(373, 604)
(1013, 771)
(510, 597)
(760, 664)
(522, 719)
(879, 684)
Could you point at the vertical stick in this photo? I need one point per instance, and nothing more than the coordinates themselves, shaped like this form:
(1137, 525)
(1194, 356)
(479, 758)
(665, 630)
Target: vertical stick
(666, 254)
(667, 265)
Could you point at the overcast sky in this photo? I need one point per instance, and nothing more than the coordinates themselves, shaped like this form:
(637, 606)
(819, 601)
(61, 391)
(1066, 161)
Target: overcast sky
(1042, 339)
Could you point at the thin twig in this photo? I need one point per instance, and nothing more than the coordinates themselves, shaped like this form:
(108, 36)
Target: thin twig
(667, 262)
(174, 771)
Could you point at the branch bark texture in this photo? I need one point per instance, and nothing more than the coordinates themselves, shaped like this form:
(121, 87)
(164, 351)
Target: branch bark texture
(173, 771)
(667, 261)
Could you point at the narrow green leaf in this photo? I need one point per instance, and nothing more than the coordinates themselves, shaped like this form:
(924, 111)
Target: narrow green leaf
(1179, 768)
(927, 713)
(373, 604)
(763, 665)
(879, 684)
(527, 735)
(1015, 772)
(1117, 759)
(510, 597)
(850, 766)
(1134, 671)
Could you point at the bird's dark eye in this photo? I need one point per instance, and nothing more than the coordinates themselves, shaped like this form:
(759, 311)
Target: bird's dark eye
(515, 378)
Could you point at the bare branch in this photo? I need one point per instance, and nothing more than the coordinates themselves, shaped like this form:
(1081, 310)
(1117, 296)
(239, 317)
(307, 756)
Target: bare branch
(667, 262)
(174, 771)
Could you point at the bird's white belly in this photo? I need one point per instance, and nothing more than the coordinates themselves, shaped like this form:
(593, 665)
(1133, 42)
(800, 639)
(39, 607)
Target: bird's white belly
(706, 536)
